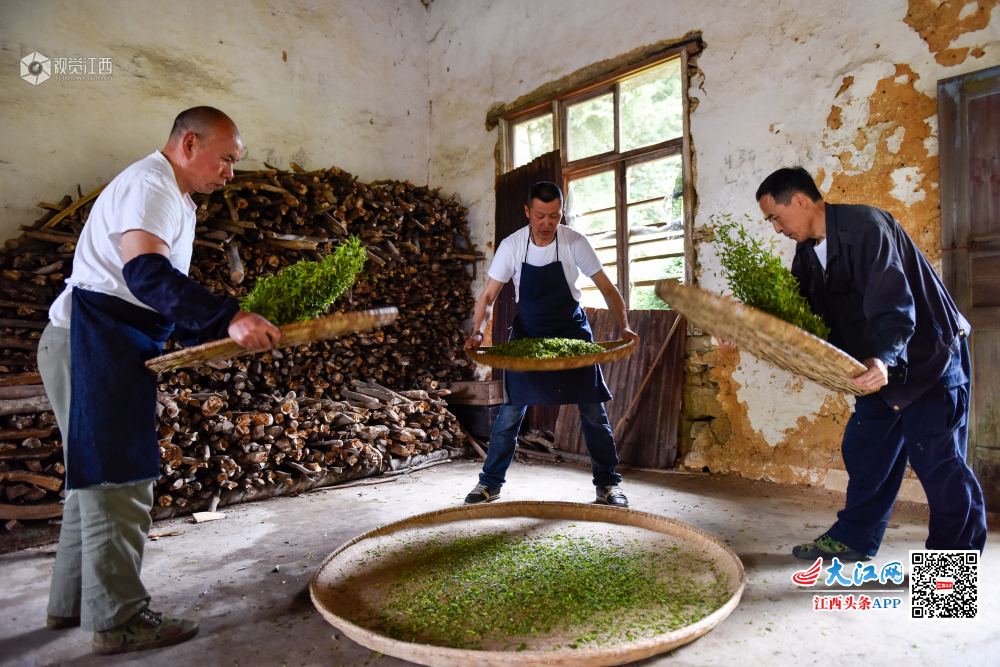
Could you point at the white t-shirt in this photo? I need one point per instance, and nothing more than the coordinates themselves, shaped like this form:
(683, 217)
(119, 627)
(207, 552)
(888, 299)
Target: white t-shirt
(577, 255)
(820, 250)
(145, 196)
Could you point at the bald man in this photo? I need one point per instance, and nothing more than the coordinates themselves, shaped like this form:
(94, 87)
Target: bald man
(127, 292)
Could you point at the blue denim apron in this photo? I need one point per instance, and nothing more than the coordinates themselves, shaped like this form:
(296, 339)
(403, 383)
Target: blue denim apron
(547, 309)
(112, 425)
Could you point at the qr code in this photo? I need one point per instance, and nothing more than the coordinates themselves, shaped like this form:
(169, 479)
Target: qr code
(944, 584)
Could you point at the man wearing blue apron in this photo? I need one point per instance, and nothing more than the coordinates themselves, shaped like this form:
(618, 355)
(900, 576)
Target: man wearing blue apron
(544, 260)
(128, 289)
(886, 307)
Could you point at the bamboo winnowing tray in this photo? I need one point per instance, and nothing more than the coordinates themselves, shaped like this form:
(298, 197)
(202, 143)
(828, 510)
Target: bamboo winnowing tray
(341, 563)
(297, 333)
(785, 345)
(615, 349)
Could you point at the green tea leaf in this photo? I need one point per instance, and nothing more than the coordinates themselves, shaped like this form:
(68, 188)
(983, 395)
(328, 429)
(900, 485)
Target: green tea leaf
(306, 290)
(756, 277)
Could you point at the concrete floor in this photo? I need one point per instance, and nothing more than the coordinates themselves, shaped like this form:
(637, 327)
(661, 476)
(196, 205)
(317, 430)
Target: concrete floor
(221, 574)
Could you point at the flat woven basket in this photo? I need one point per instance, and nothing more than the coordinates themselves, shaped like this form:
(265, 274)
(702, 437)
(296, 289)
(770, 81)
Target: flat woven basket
(614, 350)
(391, 537)
(765, 336)
(292, 335)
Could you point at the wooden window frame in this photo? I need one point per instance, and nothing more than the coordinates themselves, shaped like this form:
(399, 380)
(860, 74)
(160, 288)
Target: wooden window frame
(557, 106)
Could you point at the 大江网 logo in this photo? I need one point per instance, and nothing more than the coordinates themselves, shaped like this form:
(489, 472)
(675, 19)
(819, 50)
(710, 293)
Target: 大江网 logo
(36, 68)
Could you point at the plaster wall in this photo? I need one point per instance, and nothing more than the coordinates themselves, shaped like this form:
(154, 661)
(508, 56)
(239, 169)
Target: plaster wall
(317, 83)
(845, 89)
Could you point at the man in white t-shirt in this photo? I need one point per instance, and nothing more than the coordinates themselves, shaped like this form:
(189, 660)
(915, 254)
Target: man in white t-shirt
(545, 260)
(128, 289)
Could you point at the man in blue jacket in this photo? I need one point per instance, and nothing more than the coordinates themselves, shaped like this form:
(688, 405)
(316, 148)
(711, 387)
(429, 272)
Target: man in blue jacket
(887, 308)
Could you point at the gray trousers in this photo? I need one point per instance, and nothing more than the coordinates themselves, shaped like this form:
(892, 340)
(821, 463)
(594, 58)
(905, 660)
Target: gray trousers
(104, 528)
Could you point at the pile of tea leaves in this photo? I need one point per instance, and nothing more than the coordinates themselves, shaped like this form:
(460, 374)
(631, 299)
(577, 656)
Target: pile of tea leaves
(518, 591)
(305, 290)
(756, 277)
(545, 348)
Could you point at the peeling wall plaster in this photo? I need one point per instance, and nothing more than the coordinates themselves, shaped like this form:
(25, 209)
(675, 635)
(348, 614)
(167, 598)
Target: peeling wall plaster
(318, 83)
(845, 89)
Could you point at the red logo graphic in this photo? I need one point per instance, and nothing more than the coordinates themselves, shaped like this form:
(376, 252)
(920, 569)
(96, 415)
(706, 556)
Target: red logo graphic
(808, 577)
(944, 585)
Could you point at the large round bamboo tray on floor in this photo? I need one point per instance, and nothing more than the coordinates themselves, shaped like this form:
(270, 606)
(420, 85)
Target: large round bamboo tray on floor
(614, 350)
(354, 559)
(292, 335)
(765, 336)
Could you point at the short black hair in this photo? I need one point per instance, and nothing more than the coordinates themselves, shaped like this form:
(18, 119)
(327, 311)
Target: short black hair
(545, 191)
(200, 120)
(784, 183)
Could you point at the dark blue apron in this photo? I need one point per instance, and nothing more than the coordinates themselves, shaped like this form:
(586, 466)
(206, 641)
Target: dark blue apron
(112, 424)
(547, 309)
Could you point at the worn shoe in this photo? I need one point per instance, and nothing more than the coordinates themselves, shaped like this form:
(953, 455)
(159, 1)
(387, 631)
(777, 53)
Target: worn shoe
(611, 495)
(827, 547)
(62, 622)
(147, 629)
(482, 494)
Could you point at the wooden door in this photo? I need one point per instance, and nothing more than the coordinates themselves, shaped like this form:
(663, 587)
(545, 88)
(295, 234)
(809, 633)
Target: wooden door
(649, 438)
(969, 138)
(512, 194)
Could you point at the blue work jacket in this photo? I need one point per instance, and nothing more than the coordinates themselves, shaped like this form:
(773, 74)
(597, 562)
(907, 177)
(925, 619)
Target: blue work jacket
(882, 299)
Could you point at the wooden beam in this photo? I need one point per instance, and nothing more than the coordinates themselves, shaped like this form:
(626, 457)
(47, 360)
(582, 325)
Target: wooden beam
(21, 512)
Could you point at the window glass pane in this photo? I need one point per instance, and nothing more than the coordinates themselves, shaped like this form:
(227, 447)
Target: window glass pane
(593, 193)
(660, 181)
(592, 298)
(595, 223)
(651, 107)
(654, 179)
(591, 127)
(532, 138)
(644, 298)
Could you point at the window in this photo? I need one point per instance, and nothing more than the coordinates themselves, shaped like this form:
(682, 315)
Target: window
(623, 142)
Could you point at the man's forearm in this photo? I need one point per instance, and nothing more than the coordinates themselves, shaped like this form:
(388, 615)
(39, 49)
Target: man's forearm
(484, 311)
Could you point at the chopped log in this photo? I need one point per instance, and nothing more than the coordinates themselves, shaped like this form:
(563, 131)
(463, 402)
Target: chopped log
(16, 434)
(44, 481)
(54, 237)
(24, 454)
(72, 208)
(19, 379)
(20, 406)
(236, 272)
(18, 343)
(23, 512)
(22, 324)
(22, 391)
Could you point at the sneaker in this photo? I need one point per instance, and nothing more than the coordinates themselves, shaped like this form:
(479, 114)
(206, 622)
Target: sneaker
(611, 495)
(827, 547)
(482, 494)
(147, 629)
(62, 622)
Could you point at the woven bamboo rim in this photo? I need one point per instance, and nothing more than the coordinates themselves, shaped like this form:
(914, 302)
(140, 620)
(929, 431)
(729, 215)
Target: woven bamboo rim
(292, 335)
(765, 336)
(725, 559)
(614, 350)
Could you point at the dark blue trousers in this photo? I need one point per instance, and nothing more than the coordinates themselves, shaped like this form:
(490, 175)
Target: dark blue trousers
(932, 433)
(596, 433)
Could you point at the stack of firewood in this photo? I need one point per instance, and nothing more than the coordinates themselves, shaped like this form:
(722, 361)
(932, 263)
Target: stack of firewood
(290, 418)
